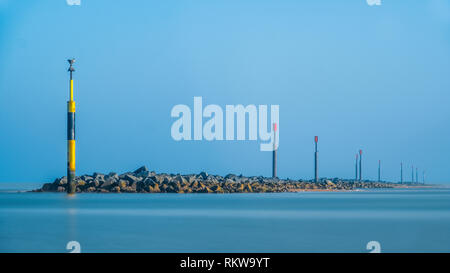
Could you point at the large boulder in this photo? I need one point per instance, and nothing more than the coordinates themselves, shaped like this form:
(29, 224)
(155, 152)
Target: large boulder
(204, 190)
(90, 189)
(217, 189)
(140, 170)
(230, 176)
(164, 187)
(330, 185)
(112, 175)
(99, 176)
(203, 175)
(154, 188)
(123, 184)
(108, 183)
(86, 178)
(94, 183)
(131, 178)
(61, 181)
(159, 178)
(180, 179)
(48, 187)
(191, 178)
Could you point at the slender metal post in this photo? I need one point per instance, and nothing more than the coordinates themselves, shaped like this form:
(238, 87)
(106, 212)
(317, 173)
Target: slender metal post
(275, 148)
(316, 162)
(401, 172)
(379, 170)
(71, 135)
(360, 165)
(417, 176)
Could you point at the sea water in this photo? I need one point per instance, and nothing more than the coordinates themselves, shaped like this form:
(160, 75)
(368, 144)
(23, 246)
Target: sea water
(400, 220)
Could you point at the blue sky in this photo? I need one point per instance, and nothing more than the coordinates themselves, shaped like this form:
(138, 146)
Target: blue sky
(360, 77)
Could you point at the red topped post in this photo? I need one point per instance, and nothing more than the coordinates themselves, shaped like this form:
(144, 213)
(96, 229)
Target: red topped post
(275, 148)
(316, 170)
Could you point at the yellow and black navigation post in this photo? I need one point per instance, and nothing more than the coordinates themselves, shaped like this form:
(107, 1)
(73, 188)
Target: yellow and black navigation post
(71, 135)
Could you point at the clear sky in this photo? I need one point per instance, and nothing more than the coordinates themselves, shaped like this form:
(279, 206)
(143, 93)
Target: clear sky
(375, 78)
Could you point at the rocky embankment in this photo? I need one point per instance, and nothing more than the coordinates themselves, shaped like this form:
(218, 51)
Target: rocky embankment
(144, 181)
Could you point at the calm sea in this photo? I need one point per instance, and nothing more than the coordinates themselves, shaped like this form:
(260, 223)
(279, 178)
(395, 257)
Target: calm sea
(401, 220)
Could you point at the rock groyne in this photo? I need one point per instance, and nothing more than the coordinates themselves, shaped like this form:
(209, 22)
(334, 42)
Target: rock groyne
(144, 181)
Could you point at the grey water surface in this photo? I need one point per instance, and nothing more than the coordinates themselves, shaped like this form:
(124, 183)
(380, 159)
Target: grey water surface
(401, 220)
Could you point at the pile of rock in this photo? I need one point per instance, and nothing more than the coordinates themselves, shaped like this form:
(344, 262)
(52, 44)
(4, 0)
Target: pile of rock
(144, 181)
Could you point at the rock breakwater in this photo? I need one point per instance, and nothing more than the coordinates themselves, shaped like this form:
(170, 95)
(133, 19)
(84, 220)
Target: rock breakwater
(144, 181)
